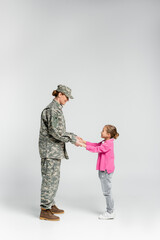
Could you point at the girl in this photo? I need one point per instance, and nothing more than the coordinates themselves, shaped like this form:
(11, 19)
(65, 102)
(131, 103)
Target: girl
(105, 165)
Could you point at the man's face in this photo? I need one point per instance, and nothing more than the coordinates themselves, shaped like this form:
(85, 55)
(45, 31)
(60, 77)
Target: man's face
(63, 99)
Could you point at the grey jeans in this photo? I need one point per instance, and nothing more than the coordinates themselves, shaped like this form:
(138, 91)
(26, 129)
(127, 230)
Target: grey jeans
(106, 184)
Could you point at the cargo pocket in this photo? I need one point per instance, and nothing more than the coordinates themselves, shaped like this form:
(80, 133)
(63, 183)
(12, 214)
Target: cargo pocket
(54, 121)
(43, 166)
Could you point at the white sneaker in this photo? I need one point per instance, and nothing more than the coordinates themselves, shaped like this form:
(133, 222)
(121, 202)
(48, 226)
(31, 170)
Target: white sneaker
(106, 216)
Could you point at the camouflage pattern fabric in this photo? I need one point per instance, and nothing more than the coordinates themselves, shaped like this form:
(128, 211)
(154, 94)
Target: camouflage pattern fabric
(50, 169)
(66, 90)
(53, 135)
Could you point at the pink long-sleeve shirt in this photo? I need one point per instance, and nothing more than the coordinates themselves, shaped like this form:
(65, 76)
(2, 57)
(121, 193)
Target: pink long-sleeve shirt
(105, 150)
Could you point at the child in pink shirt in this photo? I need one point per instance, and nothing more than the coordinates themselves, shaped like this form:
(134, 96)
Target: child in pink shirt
(105, 165)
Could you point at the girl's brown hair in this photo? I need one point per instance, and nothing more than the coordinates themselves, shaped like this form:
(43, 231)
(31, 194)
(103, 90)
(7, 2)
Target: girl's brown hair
(112, 130)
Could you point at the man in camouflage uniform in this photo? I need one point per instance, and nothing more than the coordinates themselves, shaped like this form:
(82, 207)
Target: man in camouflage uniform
(52, 139)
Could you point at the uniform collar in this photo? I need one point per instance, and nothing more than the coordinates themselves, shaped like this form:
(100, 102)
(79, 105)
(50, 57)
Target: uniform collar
(58, 105)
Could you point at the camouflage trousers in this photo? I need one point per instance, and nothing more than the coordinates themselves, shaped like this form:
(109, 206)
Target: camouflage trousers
(50, 170)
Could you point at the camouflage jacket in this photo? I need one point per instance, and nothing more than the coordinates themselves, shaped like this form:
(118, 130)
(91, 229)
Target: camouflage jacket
(53, 135)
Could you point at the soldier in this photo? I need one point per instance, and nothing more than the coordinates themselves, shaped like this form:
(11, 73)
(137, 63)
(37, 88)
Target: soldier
(52, 149)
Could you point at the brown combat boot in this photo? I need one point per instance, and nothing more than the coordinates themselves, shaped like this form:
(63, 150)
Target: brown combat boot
(55, 209)
(46, 214)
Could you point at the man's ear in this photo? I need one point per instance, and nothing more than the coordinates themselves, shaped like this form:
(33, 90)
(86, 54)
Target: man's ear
(60, 94)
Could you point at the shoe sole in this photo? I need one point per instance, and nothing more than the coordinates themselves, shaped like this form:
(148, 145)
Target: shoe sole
(49, 219)
(58, 212)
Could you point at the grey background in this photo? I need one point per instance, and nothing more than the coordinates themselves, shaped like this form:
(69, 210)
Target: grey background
(108, 53)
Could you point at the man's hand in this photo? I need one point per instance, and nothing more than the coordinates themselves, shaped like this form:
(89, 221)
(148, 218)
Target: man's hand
(79, 142)
(83, 145)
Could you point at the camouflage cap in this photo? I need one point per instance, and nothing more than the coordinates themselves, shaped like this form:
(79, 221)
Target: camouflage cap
(64, 89)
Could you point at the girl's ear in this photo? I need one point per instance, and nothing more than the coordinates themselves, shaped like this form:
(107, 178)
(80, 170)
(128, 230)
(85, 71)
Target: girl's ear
(109, 135)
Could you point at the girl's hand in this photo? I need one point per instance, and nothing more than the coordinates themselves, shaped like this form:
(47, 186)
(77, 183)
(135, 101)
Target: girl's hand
(82, 141)
(83, 145)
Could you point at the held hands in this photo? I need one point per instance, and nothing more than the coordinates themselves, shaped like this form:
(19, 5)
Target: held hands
(82, 145)
(80, 142)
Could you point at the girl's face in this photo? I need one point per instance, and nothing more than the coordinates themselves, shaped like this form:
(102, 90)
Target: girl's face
(104, 134)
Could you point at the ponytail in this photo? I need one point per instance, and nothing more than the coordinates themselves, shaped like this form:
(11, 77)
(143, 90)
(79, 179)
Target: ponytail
(112, 130)
(55, 93)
